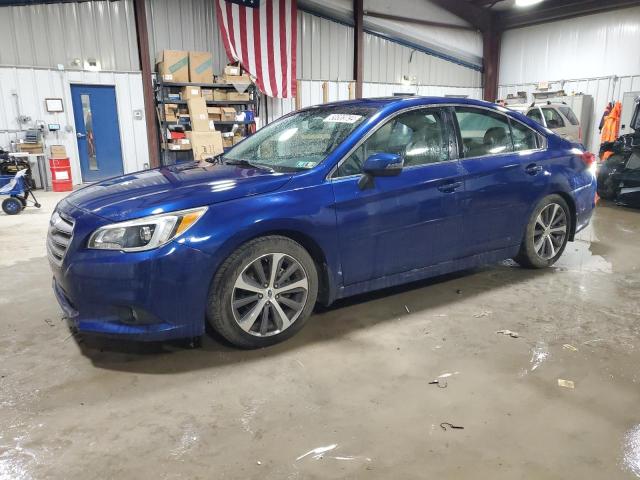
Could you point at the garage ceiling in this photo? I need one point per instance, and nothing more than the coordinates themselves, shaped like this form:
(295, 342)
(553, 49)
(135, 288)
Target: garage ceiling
(510, 16)
(506, 15)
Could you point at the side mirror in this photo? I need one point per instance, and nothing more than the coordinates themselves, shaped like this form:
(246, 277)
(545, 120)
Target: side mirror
(380, 165)
(383, 165)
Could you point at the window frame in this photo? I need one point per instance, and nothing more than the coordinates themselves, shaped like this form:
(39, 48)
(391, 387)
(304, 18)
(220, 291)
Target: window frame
(455, 140)
(450, 129)
(542, 140)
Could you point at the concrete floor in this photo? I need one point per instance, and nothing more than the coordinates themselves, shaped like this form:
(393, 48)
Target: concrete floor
(349, 397)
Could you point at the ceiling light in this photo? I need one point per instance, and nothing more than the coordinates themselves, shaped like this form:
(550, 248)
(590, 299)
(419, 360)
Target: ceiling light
(527, 3)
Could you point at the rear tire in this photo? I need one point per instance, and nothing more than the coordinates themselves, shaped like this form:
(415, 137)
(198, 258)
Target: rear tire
(248, 307)
(546, 234)
(12, 206)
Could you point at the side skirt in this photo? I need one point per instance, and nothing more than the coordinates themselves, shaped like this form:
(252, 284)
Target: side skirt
(485, 258)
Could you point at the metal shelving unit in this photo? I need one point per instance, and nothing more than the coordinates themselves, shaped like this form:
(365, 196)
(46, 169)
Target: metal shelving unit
(162, 90)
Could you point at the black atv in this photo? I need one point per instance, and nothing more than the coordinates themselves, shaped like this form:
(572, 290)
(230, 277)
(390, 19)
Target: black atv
(619, 175)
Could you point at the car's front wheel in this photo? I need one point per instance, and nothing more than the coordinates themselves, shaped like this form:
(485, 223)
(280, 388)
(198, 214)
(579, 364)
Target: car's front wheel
(546, 234)
(263, 293)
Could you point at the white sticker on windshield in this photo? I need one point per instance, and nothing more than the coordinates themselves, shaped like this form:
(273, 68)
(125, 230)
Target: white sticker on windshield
(342, 118)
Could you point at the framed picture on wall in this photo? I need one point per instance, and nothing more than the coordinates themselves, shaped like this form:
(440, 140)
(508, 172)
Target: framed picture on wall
(54, 105)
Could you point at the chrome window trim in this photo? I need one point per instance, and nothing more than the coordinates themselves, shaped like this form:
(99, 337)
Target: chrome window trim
(545, 145)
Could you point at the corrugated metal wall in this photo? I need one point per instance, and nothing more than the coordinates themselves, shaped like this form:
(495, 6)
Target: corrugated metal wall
(386, 61)
(185, 25)
(325, 49)
(50, 34)
(602, 89)
(32, 86)
(583, 47)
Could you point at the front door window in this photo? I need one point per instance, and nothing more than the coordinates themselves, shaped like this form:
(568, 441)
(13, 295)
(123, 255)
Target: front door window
(419, 136)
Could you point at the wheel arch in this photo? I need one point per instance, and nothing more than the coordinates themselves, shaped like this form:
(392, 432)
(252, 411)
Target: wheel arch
(317, 254)
(572, 206)
(326, 283)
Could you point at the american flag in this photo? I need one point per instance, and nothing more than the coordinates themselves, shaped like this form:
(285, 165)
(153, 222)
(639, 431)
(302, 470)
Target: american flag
(262, 36)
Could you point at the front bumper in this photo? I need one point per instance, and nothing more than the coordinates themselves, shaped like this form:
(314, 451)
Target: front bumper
(155, 295)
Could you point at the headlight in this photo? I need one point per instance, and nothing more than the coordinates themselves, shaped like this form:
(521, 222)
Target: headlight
(145, 233)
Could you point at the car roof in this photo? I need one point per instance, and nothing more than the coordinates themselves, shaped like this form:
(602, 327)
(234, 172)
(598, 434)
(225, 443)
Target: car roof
(406, 100)
(388, 105)
(542, 104)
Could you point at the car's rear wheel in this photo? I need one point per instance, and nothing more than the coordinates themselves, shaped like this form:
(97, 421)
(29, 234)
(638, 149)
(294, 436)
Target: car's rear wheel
(546, 234)
(263, 293)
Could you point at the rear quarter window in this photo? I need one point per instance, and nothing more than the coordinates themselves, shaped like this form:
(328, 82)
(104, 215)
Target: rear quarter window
(567, 112)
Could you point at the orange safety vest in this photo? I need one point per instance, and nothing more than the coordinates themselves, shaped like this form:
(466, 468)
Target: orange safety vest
(611, 127)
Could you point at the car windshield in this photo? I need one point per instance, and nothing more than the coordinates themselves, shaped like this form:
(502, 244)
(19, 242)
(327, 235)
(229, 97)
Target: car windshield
(300, 141)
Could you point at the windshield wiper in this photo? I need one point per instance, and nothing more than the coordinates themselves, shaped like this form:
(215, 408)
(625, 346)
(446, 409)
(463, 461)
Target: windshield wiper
(248, 164)
(217, 160)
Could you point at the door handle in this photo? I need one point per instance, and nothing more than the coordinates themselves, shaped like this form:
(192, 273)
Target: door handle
(450, 187)
(80, 135)
(533, 169)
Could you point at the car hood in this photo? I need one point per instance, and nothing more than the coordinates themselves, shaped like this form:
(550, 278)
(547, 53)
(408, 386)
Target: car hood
(173, 188)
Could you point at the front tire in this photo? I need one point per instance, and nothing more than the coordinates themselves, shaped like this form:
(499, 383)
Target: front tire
(546, 234)
(263, 293)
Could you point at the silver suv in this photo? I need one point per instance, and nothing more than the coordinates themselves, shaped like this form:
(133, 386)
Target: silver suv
(555, 116)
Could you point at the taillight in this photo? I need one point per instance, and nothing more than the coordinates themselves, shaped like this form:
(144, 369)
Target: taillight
(588, 158)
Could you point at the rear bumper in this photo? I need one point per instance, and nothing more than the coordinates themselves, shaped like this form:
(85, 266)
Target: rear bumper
(585, 201)
(159, 295)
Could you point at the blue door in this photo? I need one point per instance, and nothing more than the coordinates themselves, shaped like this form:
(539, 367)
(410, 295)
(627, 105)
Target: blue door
(403, 222)
(97, 131)
(503, 175)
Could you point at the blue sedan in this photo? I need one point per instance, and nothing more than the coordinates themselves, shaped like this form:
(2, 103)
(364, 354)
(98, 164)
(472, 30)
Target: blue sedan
(324, 203)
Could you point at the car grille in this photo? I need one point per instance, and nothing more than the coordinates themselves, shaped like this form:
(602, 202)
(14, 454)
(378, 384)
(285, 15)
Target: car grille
(59, 237)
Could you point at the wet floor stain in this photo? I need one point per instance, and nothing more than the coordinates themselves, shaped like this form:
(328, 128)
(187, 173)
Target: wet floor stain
(631, 451)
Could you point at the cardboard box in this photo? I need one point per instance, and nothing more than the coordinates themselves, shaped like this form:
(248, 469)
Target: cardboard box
(58, 151)
(215, 113)
(236, 96)
(200, 67)
(173, 65)
(30, 147)
(237, 139)
(227, 114)
(205, 144)
(199, 116)
(244, 78)
(171, 112)
(189, 92)
(219, 95)
(232, 70)
(207, 94)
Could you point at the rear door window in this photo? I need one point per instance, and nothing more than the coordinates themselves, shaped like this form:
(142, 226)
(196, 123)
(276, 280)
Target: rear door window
(483, 132)
(553, 118)
(567, 112)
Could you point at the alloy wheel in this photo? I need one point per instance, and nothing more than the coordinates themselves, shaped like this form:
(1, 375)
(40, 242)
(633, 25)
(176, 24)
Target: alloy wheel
(550, 231)
(269, 294)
